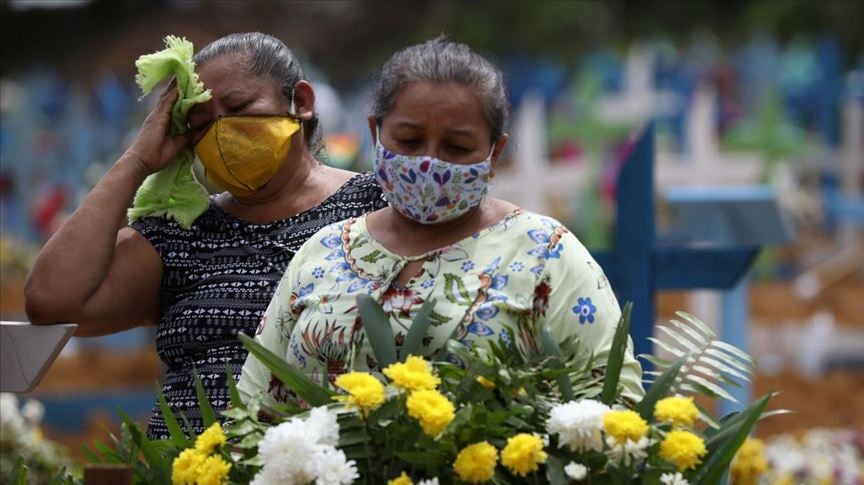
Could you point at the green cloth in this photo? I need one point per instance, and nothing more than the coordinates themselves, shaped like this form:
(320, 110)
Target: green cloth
(172, 192)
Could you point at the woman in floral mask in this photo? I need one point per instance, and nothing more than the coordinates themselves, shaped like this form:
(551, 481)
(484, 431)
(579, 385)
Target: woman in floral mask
(438, 118)
(258, 138)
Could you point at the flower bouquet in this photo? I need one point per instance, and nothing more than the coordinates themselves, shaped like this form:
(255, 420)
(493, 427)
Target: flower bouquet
(468, 415)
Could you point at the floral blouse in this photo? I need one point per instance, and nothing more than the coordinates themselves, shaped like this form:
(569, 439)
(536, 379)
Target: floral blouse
(523, 271)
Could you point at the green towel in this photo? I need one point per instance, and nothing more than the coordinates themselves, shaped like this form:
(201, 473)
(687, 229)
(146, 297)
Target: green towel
(172, 192)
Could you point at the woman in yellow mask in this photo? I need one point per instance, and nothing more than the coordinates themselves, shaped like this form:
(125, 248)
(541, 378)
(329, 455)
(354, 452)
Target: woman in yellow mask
(258, 138)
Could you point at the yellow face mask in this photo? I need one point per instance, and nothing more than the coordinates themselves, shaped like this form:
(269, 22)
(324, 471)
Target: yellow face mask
(242, 153)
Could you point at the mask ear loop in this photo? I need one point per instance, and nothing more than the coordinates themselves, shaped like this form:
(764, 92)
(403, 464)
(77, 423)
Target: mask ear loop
(293, 113)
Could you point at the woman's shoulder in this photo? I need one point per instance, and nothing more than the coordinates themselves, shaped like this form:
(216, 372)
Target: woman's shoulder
(358, 184)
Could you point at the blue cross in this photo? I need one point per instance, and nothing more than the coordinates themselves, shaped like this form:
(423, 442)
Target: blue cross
(637, 267)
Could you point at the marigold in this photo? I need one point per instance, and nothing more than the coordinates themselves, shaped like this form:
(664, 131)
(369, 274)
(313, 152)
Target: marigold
(476, 463)
(184, 470)
(432, 409)
(683, 448)
(213, 471)
(750, 462)
(415, 374)
(402, 479)
(364, 391)
(210, 439)
(485, 382)
(625, 426)
(677, 410)
(523, 454)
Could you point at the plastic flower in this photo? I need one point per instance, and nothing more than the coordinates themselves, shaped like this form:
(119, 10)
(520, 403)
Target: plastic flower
(523, 454)
(578, 424)
(627, 452)
(184, 470)
(576, 471)
(415, 374)
(625, 426)
(432, 409)
(211, 438)
(485, 382)
(677, 410)
(213, 471)
(476, 463)
(364, 391)
(673, 479)
(683, 448)
(402, 479)
(750, 462)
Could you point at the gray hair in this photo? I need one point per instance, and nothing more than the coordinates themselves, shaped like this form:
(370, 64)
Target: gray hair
(266, 55)
(441, 61)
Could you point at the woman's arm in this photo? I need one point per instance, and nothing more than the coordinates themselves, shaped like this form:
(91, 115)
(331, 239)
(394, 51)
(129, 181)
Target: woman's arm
(93, 271)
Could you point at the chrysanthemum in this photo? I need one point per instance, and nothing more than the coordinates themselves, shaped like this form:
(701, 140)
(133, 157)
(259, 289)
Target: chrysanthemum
(213, 471)
(683, 448)
(576, 471)
(628, 452)
(523, 454)
(673, 479)
(432, 409)
(211, 438)
(287, 451)
(476, 463)
(625, 425)
(364, 391)
(331, 467)
(578, 424)
(750, 462)
(402, 479)
(184, 469)
(677, 410)
(415, 374)
(322, 422)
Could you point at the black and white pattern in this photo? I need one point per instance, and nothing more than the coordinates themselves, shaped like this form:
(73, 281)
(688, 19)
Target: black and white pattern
(218, 278)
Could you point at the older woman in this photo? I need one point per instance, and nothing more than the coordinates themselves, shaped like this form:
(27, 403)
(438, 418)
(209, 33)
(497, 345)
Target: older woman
(438, 119)
(202, 285)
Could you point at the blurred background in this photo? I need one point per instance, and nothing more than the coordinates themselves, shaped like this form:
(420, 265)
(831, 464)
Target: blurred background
(757, 113)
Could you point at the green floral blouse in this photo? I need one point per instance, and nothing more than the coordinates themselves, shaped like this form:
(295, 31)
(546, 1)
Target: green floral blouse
(523, 271)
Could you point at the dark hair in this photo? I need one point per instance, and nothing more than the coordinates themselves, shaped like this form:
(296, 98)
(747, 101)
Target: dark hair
(267, 55)
(441, 61)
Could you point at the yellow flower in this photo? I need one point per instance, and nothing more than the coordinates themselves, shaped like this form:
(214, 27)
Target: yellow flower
(432, 409)
(210, 439)
(624, 425)
(485, 382)
(683, 448)
(402, 479)
(364, 391)
(523, 454)
(184, 470)
(415, 374)
(749, 463)
(676, 410)
(214, 471)
(476, 463)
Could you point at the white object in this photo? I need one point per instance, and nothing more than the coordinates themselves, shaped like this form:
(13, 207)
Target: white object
(27, 351)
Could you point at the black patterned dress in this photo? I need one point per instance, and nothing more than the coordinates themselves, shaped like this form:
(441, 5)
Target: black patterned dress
(218, 278)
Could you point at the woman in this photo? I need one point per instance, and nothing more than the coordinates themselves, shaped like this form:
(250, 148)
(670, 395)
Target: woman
(438, 119)
(203, 285)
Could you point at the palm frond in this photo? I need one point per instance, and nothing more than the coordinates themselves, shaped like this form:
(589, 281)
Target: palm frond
(709, 363)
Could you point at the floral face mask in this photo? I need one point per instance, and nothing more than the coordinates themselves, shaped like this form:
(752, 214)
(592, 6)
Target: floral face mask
(430, 190)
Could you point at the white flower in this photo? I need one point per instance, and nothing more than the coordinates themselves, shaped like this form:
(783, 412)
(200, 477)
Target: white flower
(287, 451)
(332, 468)
(673, 479)
(267, 476)
(629, 452)
(33, 411)
(576, 471)
(578, 424)
(322, 422)
(10, 417)
(429, 481)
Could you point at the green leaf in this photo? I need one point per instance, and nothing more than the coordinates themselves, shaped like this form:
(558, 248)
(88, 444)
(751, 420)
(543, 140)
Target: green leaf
(378, 329)
(158, 464)
(20, 471)
(292, 377)
(414, 338)
(550, 347)
(207, 414)
(423, 458)
(236, 400)
(90, 454)
(659, 390)
(177, 435)
(616, 357)
(555, 471)
(718, 459)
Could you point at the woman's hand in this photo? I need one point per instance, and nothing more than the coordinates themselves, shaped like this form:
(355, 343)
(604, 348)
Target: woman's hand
(154, 147)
